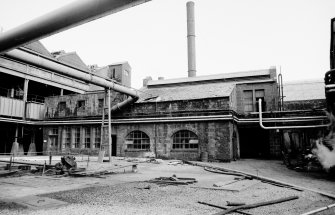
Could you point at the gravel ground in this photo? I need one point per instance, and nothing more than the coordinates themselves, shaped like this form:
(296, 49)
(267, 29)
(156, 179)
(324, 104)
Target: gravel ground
(131, 198)
(124, 193)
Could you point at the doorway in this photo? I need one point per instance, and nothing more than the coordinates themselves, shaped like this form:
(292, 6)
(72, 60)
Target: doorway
(254, 142)
(114, 148)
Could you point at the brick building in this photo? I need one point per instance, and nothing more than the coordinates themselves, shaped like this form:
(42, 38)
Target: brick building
(214, 116)
(178, 118)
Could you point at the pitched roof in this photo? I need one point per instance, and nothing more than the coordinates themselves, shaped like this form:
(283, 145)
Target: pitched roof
(38, 47)
(188, 92)
(304, 90)
(72, 58)
(234, 76)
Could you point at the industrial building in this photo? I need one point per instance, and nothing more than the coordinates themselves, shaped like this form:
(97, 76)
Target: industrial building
(54, 103)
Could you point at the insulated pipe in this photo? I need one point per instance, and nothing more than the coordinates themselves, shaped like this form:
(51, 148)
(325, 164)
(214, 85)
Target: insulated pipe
(40, 61)
(284, 127)
(191, 39)
(71, 15)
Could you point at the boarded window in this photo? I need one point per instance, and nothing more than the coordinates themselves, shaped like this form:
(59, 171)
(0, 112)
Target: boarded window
(185, 139)
(138, 140)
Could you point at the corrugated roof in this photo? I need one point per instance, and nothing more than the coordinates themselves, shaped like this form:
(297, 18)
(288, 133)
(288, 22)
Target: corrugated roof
(38, 47)
(266, 73)
(189, 92)
(72, 58)
(304, 90)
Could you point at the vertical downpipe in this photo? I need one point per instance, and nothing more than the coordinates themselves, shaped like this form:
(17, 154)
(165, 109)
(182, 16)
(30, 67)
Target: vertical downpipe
(191, 39)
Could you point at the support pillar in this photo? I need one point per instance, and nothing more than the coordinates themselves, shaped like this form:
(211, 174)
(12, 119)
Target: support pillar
(25, 96)
(109, 127)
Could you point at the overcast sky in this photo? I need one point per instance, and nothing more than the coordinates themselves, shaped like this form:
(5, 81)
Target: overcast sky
(231, 36)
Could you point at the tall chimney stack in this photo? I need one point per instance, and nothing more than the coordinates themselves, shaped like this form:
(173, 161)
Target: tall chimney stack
(191, 39)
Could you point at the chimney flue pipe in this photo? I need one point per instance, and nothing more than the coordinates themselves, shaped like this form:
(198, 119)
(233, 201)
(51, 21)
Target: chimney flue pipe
(191, 39)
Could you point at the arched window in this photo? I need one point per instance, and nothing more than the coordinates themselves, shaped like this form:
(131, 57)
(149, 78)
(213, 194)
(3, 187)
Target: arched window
(138, 140)
(185, 139)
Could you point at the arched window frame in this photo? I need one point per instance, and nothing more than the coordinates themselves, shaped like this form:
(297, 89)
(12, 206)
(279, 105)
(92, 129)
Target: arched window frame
(137, 141)
(185, 140)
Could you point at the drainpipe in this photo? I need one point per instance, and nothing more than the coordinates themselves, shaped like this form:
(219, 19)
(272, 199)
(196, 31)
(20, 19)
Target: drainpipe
(66, 17)
(284, 127)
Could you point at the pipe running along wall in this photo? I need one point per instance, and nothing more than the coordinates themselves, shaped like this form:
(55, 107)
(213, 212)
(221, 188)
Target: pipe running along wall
(66, 17)
(48, 64)
(285, 127)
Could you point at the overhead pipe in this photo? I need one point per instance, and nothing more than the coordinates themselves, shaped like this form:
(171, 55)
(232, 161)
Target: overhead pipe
(284, 127)
(45, 63)
(66, 17)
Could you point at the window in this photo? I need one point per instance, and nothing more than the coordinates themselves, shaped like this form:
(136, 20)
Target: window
(259, 94)
(87, 132)
(138, 140)
(67, 138)
(185, 139)
(62, 106)
(113, 75)
(248, 101)
(81, 104)
(100, 103)
(97, 139)
(53, 136)
(76, 137)
(126, 73)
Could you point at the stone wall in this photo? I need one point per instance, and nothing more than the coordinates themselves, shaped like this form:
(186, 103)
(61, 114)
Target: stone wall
(54, 108)
(304, 105)
(215, 138)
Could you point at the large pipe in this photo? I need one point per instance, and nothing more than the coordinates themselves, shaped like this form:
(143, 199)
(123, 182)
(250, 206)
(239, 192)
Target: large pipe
(45, 63)
(285, 127)
(71, 15)
(191, 39)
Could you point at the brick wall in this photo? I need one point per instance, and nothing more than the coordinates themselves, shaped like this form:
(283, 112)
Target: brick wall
(270, 91)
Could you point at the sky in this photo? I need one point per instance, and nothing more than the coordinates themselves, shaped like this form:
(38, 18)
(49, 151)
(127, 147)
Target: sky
(231, 36)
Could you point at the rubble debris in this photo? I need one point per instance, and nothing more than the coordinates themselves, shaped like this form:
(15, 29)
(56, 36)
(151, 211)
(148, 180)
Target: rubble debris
(7, 173)
(175, 163)
(255, 205)
(235, 203)
(90, 173)
(227, 172)
(67, 164)
(173, 181)
(223, 207)
(148, 187)
(154, 160)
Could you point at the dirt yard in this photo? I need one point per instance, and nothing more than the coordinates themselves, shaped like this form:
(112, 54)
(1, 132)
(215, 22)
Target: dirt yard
(128, 192)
